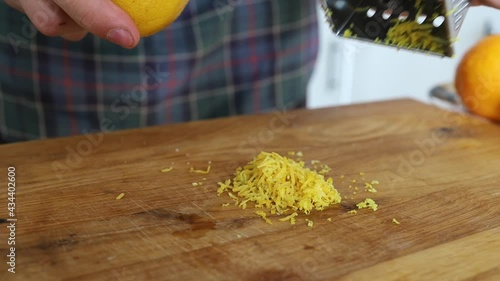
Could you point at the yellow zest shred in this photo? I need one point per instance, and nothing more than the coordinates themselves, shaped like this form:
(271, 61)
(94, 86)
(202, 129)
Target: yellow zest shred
(166, 170)
(225, 204)
(120, 196)
(395, 221)
(361, 173)
(195, 184)
(370, 188)
(299, 154)
(263, 215)
(310, 223)
(290, 218)
(234, 197)
(329, 219)
(281, 184)
(367, 203)
(352, 212)
(314, 162)
(291, 153)
(325, 169)
(193, 170)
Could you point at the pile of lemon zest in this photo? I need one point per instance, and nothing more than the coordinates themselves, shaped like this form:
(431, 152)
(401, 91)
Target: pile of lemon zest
(395, 221)
(263, 215)
(310, 223)
(225, 204)
(166, 170)
(352, 212)
(120, 196)
(280, 184)
(368, 203)
(192, 170)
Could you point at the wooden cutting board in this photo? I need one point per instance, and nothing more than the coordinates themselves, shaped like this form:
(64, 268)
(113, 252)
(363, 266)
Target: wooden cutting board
(438, 172)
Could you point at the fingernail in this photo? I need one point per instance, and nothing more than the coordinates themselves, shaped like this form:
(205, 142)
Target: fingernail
(121, 37)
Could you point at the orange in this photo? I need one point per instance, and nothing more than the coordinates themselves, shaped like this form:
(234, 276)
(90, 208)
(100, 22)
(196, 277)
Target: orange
(151, 16)
(477, 78)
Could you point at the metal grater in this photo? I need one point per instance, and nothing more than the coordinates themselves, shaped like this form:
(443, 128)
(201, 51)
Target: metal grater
(429, 26)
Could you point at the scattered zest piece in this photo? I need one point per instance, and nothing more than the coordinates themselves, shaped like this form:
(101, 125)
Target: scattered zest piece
(370, 188)
(353, 181)
(291, 153)
(264, 216)
(368, 204)
(374, 182)
(290, 218)
(120, 196)
(395, 221)
(329, 219)
(352, 212)
(166, 170)
(361, 173)
(299, 154)
(314, 162)
(192, 170)
(195, 184)
(325, 169)
(310, 223)
(225, 204)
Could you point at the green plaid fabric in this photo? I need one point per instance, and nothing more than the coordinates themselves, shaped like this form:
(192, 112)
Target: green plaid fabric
(220, 58)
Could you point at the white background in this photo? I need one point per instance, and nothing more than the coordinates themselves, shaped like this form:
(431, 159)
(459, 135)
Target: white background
(349, 71)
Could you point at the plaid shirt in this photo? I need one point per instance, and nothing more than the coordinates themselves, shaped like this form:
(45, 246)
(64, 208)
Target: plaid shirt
(220, 58)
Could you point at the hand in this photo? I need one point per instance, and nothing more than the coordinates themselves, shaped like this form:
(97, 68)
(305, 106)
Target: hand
(490, 3)
(73, 19)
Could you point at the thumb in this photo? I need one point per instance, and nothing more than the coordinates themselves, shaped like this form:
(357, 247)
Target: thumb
(490, 3)
(104, 19)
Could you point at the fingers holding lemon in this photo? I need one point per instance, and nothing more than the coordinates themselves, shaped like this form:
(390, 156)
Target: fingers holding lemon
(151, 16)
(477, 78)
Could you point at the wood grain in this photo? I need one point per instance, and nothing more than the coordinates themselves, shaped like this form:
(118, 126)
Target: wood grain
(438, 174)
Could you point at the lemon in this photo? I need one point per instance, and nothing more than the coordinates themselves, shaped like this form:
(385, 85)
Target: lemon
(477, 78)
(151, 16)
